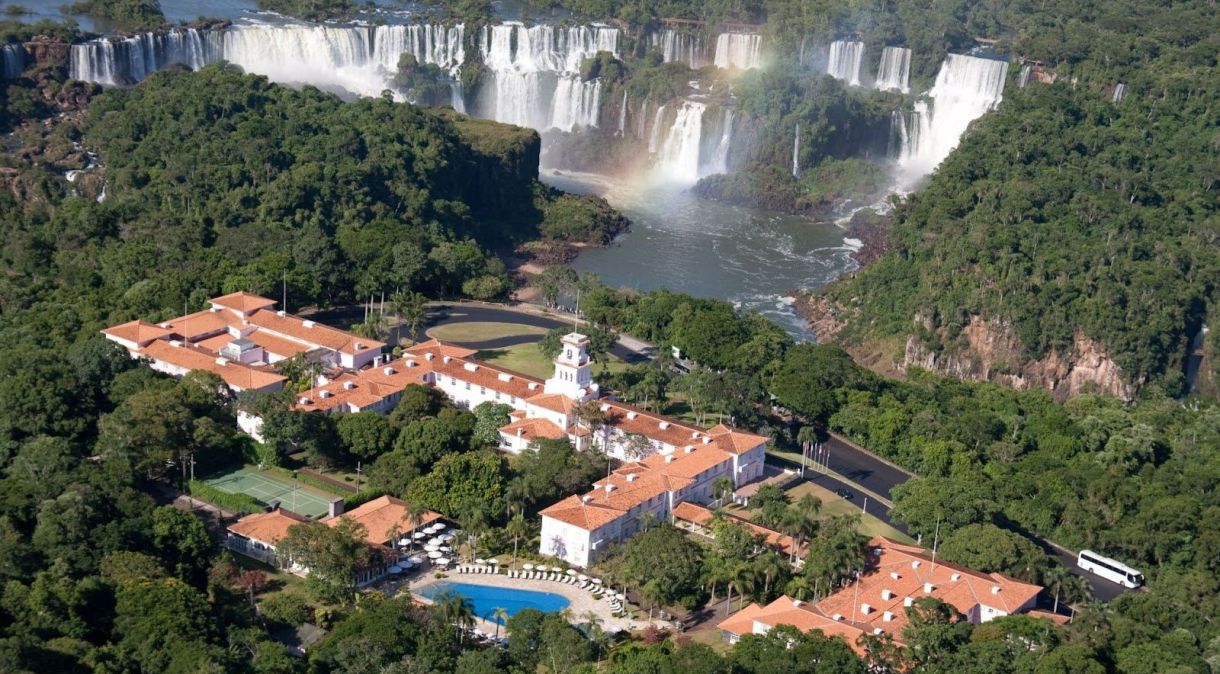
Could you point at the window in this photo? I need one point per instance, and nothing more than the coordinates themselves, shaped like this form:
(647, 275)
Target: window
(482, 390)
(467, 386)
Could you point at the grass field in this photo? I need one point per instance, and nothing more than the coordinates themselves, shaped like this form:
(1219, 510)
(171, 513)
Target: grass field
(266, 487)
(482, 331)
(528, 359)
(833, 504)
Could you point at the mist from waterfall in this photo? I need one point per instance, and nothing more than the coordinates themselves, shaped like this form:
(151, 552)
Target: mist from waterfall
(796, 152)
(845, 60)
(894, 70)
(966, 88)
(741, 51)
(678, 155)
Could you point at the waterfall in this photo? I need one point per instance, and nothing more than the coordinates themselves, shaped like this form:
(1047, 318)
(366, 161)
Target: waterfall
(642, 121)
(844, 62)
(1120, 93)
(894, 71)
(678, 155)
(533, 79)
(535, 71)
(12, 61)
(654, 137)
(966, 88)
(738, 50)
(719, 162)
(575, 103)
(796, 152)
(1023, 76)
(680, 47)
(622, 116)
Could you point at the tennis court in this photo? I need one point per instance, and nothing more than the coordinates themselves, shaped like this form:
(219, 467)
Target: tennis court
(266, 487)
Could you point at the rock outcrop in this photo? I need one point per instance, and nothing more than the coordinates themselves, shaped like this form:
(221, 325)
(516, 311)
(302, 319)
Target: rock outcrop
(991, 351)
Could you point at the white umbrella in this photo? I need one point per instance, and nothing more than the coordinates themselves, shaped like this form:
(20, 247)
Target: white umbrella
(417, 560)
(434, 541)
(480, 561)
(444, 548)
(404, 541)
(432, 547)
(438, 526)
(557, 569)
(443, 561)
(527, 566)
(493, 560)
(571, 572)
(596, 581)
(419, 535)
(434, 554)
(446, 537)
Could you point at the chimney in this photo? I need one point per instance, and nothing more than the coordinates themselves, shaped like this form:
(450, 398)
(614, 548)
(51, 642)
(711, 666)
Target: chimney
(520, 432)
(707, 440)
(631, 477)
(428, 356)
(334, 508)
(586, 498)
(222, 361)
(533, 386)
(928, 587)
(669, 458)
(915, 564)
(609, 488)
(690, 449)
(877, 630)
(955, 577)
(695, 435)
(866, 609)
(504, 377)
(446, 360)
(908, 601)
(308, 324)
(389, 371)
(323, 394)
(887, 595)
(632, 415)
(410, 363)
(888, 616)
(273, 506)
(894, 575)
(281, 313)
(837, 617)
(349, 385)
(214, 309)
(304, 401)
(359, 346)
(470, 367)
(995, 589)
(664, 425)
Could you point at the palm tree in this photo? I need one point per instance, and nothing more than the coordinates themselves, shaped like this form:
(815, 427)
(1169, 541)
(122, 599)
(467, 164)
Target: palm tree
(769, 566)
(516, 529)
(740, 577)
(597, 634)
(1065, 585)
(499, 616)
(415, 517)
(457, 611)
(807, 437)
(722, 488)
(798, 588)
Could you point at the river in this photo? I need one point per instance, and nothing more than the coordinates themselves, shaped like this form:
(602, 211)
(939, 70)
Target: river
(750, 257)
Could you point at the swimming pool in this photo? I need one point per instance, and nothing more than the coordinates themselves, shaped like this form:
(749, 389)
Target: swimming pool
(487, 599)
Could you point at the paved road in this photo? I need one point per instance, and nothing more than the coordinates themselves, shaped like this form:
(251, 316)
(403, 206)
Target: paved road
(866, 470)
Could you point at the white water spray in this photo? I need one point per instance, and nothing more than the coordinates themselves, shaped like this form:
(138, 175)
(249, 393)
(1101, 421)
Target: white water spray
(894, 71)
(844, 62)
(738, 50)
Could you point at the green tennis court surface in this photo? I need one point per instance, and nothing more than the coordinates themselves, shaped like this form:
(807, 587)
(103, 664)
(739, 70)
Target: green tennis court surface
(266, 487)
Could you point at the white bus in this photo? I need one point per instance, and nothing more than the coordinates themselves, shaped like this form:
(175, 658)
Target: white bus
(1110, 569)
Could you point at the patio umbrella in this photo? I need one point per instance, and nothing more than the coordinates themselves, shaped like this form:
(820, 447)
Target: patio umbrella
(571, 572)
(527, 566)
(418, 535)
(582, 577)
(620, 596)
(434, 554)
(404, 542)
(480, 561)
(446, 537)
(417, 560)
(432, 547)
(444, 548)
(438, 526)
(443, 561)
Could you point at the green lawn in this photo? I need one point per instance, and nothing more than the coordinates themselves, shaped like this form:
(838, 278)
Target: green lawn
(482, 331)
(833, 504)
(528, 359)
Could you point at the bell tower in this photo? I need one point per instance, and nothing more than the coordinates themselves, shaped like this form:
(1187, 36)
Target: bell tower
(573, 369)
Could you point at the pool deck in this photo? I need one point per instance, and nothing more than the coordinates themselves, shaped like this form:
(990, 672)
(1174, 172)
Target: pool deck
(580, 602)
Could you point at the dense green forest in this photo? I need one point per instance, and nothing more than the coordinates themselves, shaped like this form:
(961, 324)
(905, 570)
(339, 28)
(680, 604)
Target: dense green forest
(123, 15)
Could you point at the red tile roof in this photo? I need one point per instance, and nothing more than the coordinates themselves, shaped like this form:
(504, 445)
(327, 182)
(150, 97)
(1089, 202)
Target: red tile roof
(697, 514)
(139, 332)
(267, 527)
(309, 332)
(384, 518)
(530, 429)
(243, 302)
(189, 357)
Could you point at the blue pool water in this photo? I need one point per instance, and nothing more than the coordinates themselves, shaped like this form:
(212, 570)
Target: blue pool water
(487, 599)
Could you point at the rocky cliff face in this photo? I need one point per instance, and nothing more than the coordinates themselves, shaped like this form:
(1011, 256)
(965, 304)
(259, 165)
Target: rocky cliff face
(990, 351)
